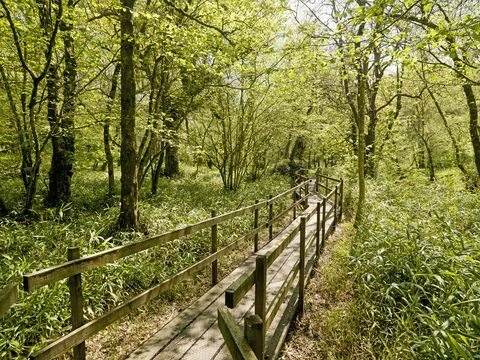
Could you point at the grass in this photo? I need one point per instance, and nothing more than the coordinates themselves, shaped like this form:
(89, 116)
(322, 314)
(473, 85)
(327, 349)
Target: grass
(89, 223)
(406, 285)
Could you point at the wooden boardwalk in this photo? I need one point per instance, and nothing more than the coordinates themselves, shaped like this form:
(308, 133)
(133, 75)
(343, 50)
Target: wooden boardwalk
(194, 334)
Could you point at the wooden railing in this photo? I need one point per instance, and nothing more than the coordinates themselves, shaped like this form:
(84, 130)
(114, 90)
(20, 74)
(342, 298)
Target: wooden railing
(76, 265)
(250, 343)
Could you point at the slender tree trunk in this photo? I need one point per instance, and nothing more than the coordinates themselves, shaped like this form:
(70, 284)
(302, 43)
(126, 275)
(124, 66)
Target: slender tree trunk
(129, 217)
(473, 126)
(455, 147)
(362, 79)
(63, 137)
(106, 130)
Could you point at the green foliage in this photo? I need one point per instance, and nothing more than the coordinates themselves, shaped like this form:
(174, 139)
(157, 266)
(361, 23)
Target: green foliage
(416, 261)
(87, 223)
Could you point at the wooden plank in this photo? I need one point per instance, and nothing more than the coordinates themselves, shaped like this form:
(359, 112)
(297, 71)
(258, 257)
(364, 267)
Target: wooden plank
(233, 335)
(242, 285)
(195, 339)
(202, 336)
(8, 297)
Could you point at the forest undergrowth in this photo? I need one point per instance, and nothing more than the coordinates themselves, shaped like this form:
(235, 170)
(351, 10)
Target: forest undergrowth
(406, 285)
(89, 223)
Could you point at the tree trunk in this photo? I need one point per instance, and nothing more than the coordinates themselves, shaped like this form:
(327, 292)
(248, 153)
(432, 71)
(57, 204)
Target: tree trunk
(362, 79)
(106, 130)
(129, 217)
(156, 171)
(370, 147)
(473, 114)
(455, 147)
(171, 159)
(3, 208)
(63, 137)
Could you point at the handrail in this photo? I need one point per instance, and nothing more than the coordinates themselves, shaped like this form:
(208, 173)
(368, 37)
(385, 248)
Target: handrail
(73, 268)
(53, 274)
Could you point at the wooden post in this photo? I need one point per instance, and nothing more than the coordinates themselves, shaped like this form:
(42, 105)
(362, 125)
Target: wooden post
(324, 220)
(317, 179)
(214, 250)
(341, 201)
(301, 280)
(317, 245)
(255, 226)
(76, 303)
(326, 186)
(335, 210)
(294, 195)
(270, 217)
(261, 300)
(306, 193)
(261, 286)
(253, 332)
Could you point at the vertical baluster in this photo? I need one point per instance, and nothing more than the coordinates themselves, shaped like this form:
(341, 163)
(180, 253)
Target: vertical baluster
(318, 227)
(270, 217)
(261, 301)
(341, 201)
(324, 220)
(214, 233)
(76, 303)
(335, 204)
(255, 226)
(301, 280)
(294, 195)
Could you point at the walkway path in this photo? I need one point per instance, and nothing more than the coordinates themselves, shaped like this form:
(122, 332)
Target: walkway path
(194, 334)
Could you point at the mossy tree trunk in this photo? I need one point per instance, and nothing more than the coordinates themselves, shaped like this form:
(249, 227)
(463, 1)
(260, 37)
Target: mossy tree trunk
(129, 217)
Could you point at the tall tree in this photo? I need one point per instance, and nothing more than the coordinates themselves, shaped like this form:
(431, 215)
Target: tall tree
(129, 216)
(62, 124)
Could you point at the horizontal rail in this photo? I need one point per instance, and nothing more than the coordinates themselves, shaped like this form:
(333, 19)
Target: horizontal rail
(79, 335)
(281, 294)
(8, 297)
(329, 178)
(289, 191)
(53, 274)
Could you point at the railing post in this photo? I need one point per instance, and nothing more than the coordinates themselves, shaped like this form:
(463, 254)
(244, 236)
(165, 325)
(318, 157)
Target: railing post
(255, 226)
(324, 220)
(317, 244)
(76, 303)
(301, 280)
(335, 204)
(326, 186)
(317, 179)
(261, 299)
(294, 195)
(214, 248)
(270, 217)
(253, 332)
(341, 201)
(306, 194)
